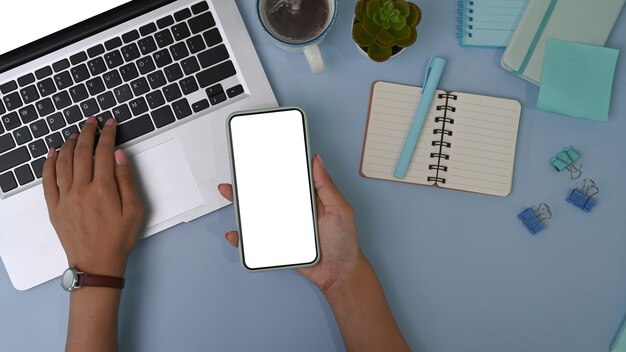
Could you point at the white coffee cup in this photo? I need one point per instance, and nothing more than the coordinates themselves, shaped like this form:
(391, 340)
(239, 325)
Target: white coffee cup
(307, 45)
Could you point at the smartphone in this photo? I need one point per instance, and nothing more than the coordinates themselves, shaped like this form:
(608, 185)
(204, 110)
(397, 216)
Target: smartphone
(273, 189)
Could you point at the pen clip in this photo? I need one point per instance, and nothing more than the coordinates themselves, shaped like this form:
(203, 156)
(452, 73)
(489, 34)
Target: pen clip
(428, 70)
(434, 63)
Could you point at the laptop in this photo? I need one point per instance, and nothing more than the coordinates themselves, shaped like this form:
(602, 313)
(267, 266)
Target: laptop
(169, 72)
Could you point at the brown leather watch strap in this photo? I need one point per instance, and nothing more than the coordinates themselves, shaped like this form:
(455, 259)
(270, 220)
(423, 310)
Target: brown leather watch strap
(90, 280)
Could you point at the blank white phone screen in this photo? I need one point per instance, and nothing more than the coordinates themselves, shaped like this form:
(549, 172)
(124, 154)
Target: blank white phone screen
(274, 199)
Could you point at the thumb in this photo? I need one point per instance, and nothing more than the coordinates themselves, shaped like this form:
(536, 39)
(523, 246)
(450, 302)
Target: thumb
(125, 183)
(326, 190)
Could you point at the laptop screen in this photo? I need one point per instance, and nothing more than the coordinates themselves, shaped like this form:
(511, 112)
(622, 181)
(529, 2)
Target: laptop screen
(24, 21)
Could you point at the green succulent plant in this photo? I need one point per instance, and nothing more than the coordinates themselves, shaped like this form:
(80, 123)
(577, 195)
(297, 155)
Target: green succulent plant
(384, 27)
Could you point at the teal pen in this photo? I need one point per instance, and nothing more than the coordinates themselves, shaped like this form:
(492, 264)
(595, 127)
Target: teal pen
(433, 76)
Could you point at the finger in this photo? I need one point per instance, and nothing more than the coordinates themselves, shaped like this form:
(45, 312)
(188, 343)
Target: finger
(226, 190)
(104, 164)
(326, 190)
(50, 188)
(126, 184)
(65, 164)
(232, 238)
(83, 154)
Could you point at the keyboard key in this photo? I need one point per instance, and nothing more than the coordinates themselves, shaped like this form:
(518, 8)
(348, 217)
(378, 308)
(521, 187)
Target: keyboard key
(122, 113)
(29, 94)
(196, 44)
(73, 114)
(156, 79)
(113, 43)
(113, 59)
(200, 7)
(134, 128)
(179, 51)
(172, 92)
(130, 52)
(180, 31)
(78, 58)
(163, 38)
(46, 87)
(95, 51)
(63, 80)
(201, 105)
(129, 72)
(106, 100)
(28, 114)
(56, 121)
(182, 15)
(7, 182)
(162, 58)
(54, 141)
(215, 74)
(212, 56)
(147, 45)
(163, 116)
(190, 65)
(38, 166)
(130, 36)
(14, 158)
(147, 29)
(173, 72)
(22, 135)
(78, 93)
(138, 106)
(123, 93)
(155, 99)
(26, 80)
(97, 66)
(112, 79)
(103, 117)
(24, 175)
(61, 65)
(213, 90)
(43, 72)
(8, 87)
(80, 73)
(95, 86)
(44, 107)
(181, 108)
(165, 22)
(68, 132)
(201, 23)
(11, 121)
(212, 37)
(146, 65)
(12, 101)
(188, 85)
(140, 86)
(2, 111)
(37, 148)
(39, 128)
(61, 100)
(89, 107)
(6, 142)
(218, 98)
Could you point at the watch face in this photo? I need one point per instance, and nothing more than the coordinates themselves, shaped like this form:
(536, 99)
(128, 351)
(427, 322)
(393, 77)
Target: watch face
(68, 279)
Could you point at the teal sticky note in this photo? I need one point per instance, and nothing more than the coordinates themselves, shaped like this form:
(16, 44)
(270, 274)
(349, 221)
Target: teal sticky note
(619, 345)
(577, 79)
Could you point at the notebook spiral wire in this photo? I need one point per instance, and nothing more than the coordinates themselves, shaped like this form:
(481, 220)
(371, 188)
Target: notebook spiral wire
(442, 143)
(464, 22)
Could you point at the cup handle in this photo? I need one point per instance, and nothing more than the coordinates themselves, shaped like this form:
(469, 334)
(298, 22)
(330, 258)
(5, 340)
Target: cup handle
(314, 57)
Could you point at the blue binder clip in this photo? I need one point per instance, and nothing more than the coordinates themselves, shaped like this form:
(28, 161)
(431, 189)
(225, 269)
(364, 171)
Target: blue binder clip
(582, 197)
(533, 218)
(566, 159)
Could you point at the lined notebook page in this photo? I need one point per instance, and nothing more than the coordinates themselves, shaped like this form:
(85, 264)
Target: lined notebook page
(484, 137)
(392, 110)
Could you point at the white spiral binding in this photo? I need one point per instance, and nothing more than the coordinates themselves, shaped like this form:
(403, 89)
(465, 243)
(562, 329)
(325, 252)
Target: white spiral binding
(464, 23)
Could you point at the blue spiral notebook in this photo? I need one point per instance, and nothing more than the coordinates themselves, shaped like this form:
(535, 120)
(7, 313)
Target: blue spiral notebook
(488, 23)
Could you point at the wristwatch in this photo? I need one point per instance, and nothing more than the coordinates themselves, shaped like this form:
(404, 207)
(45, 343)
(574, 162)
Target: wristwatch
(73, 279)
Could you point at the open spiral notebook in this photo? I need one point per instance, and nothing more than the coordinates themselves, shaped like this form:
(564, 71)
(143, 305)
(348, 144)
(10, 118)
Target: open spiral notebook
(467, 142)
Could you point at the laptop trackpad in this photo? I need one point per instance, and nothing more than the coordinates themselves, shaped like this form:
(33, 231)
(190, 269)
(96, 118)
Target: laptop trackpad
(166, 184)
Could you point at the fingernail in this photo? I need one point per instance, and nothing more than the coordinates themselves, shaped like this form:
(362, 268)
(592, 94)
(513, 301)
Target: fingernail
(120, 157)
(91, 120)
(110, 122)
(52, 152)
(319, 157)
(226, 236)
(74, 136)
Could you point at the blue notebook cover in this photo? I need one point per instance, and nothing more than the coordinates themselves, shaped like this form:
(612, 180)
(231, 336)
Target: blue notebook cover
(488, 23)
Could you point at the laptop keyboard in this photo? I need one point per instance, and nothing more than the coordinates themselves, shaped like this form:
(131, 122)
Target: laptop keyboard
(146, 79)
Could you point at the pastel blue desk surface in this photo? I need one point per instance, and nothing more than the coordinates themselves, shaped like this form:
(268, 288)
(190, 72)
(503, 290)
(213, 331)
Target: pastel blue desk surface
(460, 271)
